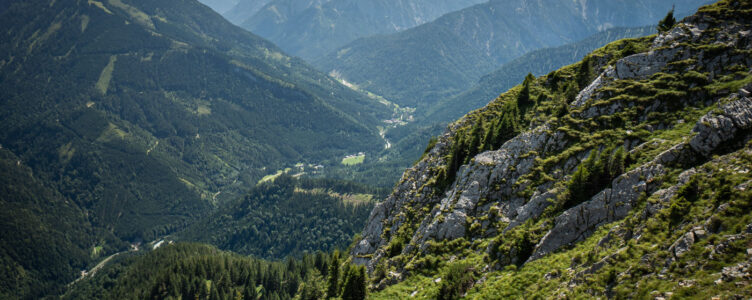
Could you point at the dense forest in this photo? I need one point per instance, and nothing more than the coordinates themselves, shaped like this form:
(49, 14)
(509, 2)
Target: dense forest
(289, 217)
(196, 271)
(154, 150)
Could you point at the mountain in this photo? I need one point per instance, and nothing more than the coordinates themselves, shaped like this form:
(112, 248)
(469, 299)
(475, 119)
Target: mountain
(220, 6)
(204, 273)
(624, 175)
(419, 66)
(44, 237)
(288, 217)
(123, 121)
(310, 29)
(538, 62)
(243, 9)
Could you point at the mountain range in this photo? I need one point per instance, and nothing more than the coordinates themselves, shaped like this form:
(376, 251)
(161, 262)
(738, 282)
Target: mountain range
(140, 116)
(310, 29)
(420, 66)
(155, 150)
(538, 62)
(624, 175)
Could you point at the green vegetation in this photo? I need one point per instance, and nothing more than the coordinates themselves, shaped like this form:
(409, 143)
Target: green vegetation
(594, 174)
(194, 271)
(288, 217)
(353, 160)
(421, 66)
(667, 22)
(136, 118)
(686, 236)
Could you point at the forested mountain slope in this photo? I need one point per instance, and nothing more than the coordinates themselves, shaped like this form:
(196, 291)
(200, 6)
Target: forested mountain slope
(625, 175)
(140, 116)
(422, 65)
(288, 217)
(194, 271)
(538, 62)
(312, 28)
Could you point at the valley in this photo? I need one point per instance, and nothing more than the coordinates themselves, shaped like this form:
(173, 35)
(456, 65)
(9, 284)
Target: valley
(392, 149)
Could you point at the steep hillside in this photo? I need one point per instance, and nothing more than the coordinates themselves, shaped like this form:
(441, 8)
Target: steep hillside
(243, 9)
(420, 66)
(45, 239)
(141, 116)
(288, 217)
(312, 28)
(538, 62)
(625, 175)
(220, 6)
(194, 271)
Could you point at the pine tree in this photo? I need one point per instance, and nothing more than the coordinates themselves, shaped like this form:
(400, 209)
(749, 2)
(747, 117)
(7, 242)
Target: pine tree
(524, 100)
(668, 22)
(313, 288)
(584, 73)
(579, 185)
(332, 289)
(354, 287)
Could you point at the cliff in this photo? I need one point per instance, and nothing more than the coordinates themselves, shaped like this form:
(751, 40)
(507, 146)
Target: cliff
(610, 158)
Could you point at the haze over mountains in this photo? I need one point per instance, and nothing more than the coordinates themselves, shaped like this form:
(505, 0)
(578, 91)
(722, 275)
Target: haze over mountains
(422, 65)
(311, 28)
(154, 150)
(142, 115)
(538, 62)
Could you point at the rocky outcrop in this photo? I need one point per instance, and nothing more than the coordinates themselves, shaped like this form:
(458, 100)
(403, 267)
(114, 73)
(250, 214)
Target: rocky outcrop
(615, 203)
(494, 192)
(717, 128)
(609, 205)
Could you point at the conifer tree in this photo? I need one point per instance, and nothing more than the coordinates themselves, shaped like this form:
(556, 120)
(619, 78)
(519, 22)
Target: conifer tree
(668, 22)
(332, 288)
(523, 99)
(354, 287)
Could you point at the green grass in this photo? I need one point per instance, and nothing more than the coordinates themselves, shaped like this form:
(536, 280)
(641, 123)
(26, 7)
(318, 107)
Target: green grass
(96, 251)
(353, 160)
(106, 76)
(271, 177)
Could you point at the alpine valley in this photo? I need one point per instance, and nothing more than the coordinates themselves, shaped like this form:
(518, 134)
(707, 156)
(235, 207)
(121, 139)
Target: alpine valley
(154, 150)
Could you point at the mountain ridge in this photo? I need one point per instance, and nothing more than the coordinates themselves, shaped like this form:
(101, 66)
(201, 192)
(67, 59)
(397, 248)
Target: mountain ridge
(485, 36)
(603, 152)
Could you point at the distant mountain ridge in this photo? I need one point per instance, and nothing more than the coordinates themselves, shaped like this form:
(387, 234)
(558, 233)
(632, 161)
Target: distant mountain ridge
(538, 62)
(438, 59)
(312, 28)
(622, 176)
(243, 9)
(220, 6)
(141, 116)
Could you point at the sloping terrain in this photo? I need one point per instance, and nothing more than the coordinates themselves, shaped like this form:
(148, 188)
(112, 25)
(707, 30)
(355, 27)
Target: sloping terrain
(141, 116)
(288, 217)
(538, 62)
(310, 29)
(625, 175)
(422, 65)
(243, 9)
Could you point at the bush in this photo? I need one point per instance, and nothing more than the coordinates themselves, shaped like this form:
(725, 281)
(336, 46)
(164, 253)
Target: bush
(457, 279)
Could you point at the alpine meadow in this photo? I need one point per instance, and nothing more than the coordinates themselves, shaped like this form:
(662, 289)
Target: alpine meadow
(375, 149)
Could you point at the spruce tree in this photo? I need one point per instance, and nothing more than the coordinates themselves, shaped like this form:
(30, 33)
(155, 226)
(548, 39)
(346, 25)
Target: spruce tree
(354, 287)
(668, 22)
(332, 288)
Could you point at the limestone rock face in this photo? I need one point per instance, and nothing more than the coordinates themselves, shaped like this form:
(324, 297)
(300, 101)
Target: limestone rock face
(498, 191)
(607, 206)
(714, 129)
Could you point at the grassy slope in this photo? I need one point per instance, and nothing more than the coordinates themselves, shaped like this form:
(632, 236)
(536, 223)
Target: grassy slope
(627, 267)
